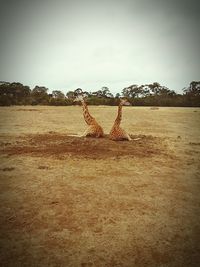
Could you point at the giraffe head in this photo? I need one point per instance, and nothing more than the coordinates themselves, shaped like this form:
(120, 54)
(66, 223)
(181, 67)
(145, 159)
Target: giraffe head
(124, 102)
(79, 98)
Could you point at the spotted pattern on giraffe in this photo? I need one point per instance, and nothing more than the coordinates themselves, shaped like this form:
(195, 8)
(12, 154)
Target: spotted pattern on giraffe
(117, 133)
(94, 129)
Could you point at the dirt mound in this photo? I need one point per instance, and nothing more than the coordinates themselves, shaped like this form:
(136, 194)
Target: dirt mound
(60, 145)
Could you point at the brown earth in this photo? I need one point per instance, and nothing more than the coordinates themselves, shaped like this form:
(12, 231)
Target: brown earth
(70, 201)
(60, 146)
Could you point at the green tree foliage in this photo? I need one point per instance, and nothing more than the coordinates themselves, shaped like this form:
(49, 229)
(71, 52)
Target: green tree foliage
(57, 98)
(153, 94)
(101, 97)
(14, 94)
(104, 92)
(150, 95)
(193, 89)
(39, 95)
(70, 95)
(117, 95)
(192, 94)
(132, 91)
(58, 94)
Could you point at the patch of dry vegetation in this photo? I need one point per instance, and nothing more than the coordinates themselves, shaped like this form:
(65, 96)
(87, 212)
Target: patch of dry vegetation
(77, 202)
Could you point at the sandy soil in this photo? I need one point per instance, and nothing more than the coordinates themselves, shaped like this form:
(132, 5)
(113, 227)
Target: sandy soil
(70, 201)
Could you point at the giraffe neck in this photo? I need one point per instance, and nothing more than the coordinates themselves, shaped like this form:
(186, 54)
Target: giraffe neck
(119, 115)
(88, 118)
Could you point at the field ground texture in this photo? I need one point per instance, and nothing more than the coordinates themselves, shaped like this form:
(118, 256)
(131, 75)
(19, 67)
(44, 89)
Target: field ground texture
(82, 202)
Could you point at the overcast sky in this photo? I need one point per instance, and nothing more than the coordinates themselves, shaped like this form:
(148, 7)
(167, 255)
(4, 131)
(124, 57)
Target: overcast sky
(93, 43)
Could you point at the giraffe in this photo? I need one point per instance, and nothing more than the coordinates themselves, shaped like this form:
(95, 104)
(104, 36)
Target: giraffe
(94, 129)
(117, 133)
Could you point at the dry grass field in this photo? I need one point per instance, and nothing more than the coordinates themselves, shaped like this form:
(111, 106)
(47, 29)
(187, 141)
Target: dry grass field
(83, 202)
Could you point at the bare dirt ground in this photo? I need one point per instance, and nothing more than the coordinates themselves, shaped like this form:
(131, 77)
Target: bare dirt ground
(80, 202)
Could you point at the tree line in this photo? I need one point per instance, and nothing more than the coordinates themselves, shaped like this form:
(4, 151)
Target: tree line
(138, 95)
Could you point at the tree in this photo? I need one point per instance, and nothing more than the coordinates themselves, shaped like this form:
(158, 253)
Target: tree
(39, 95)
(117, 95)
(14, 94)
(58, 94)
(155, 88)
(70, 95)
(5, 94)
(132, 91)
(104, 92)
(193, 89)
(192, 94)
